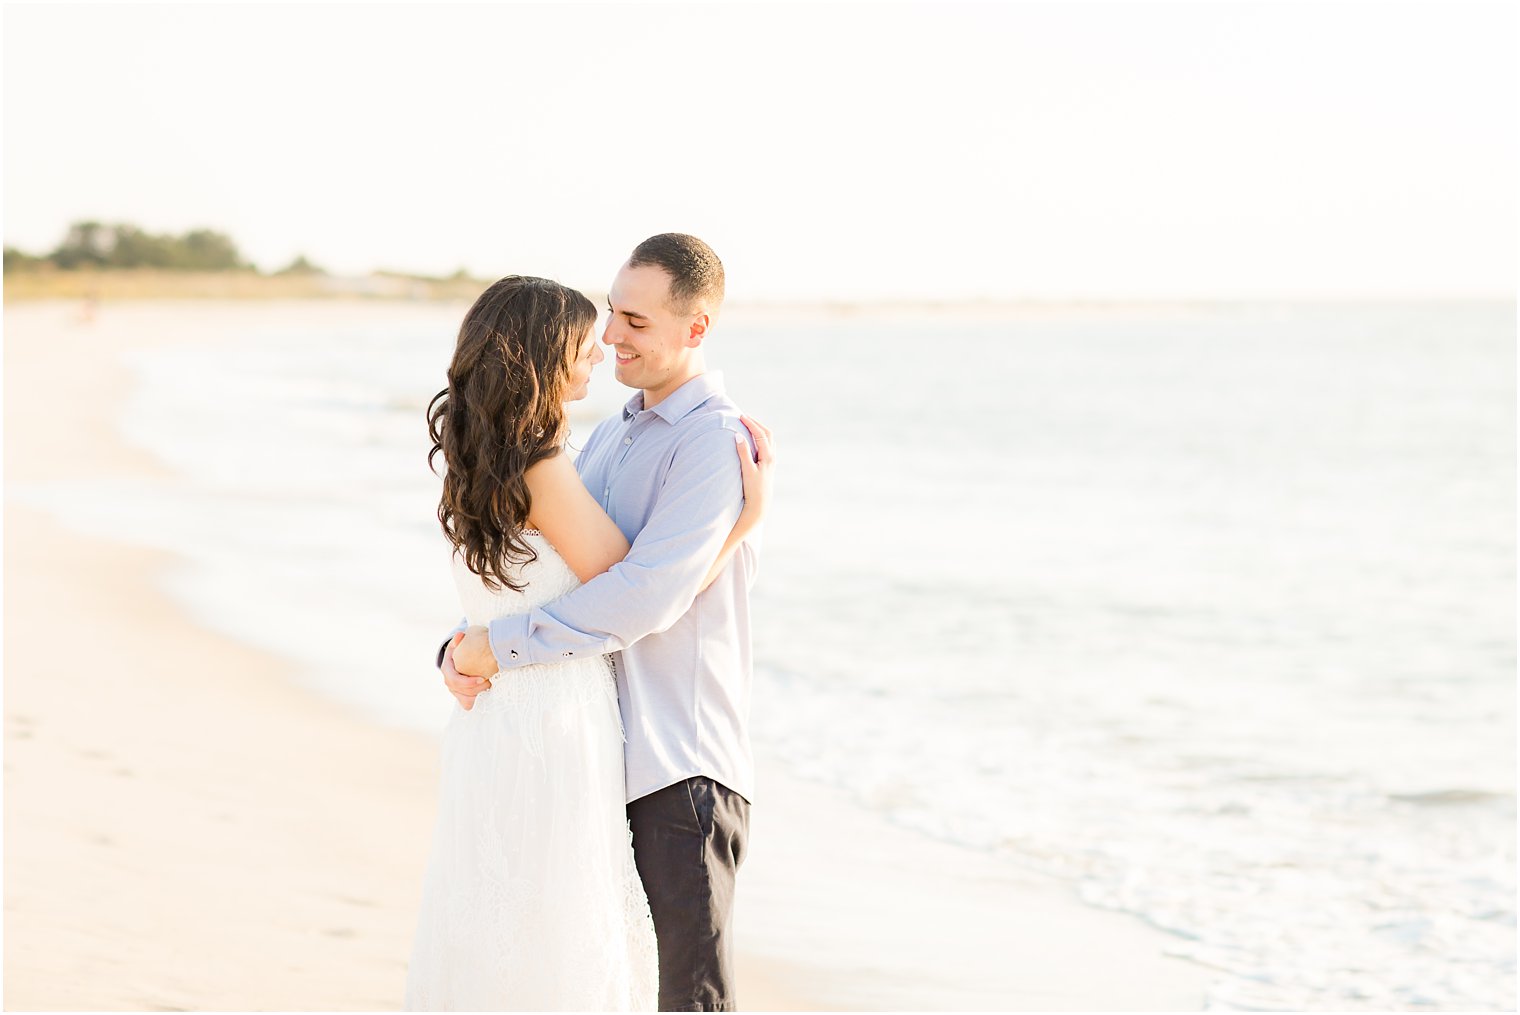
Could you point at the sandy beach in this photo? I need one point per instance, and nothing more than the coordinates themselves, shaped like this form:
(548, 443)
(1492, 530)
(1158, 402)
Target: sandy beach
(187, 828)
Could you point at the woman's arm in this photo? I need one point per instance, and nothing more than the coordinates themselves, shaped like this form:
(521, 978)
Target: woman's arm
(756, 473)
(571, 519)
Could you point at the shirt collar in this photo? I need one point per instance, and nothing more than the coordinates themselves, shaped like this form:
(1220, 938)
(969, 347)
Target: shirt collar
(680, 401)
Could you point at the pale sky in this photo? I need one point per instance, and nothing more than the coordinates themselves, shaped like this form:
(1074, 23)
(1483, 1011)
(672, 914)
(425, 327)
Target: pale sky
(856, 152)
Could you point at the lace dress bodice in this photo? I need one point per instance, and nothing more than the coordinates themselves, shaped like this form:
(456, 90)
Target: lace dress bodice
(544, 579)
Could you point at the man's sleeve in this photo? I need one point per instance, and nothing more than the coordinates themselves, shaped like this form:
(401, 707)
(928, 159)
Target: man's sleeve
(657, 582)
(445, 646)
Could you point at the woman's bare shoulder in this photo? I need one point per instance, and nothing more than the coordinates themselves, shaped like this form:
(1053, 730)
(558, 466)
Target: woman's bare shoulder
(551, 472)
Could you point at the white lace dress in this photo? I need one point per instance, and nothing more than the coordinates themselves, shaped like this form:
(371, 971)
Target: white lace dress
(531, 900)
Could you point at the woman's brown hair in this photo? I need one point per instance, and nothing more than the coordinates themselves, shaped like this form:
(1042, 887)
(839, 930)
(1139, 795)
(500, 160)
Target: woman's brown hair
(503, 411)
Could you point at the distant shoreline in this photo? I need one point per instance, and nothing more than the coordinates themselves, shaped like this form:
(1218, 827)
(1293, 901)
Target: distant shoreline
(154, 284)
(34, 285)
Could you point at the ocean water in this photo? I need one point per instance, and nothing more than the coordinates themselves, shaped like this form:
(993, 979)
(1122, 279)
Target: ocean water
(1209, 610)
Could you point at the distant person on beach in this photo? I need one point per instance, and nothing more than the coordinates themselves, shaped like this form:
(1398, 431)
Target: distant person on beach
(90, 304)
(629, 570)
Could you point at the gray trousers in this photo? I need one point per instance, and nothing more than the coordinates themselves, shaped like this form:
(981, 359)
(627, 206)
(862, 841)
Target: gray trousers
(688, 842)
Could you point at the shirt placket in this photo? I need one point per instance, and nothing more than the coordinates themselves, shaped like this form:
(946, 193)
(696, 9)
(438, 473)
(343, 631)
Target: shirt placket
(636, 426)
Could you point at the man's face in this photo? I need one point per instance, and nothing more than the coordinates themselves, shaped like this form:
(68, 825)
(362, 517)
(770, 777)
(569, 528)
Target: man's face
(653, 345)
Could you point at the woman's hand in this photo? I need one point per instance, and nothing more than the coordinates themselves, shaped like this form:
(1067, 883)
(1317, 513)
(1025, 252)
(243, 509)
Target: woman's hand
(756, 473)
(463, 688)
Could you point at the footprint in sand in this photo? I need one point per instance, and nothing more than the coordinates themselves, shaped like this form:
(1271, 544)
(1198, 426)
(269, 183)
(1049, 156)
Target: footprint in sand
(352, 901)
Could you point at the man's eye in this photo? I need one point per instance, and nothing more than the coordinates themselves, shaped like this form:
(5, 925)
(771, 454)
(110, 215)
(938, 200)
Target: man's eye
(636, 327)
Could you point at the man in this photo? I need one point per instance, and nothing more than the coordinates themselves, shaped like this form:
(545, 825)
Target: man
(664, 469)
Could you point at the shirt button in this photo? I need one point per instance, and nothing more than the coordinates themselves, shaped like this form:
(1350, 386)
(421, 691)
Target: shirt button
(627, 440)
(514, 653)
(606, 491)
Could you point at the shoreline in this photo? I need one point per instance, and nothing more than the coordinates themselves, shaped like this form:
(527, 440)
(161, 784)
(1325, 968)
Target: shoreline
(192, 828)
(912, 922)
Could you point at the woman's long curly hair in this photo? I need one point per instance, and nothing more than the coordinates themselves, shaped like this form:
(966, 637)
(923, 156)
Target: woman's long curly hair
(503, 411)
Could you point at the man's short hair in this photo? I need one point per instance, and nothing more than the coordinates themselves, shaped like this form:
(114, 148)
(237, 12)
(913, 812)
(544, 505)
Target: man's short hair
(696, 274)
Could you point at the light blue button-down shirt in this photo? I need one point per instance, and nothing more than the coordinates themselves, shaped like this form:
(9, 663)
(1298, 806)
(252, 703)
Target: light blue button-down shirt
(669, 478)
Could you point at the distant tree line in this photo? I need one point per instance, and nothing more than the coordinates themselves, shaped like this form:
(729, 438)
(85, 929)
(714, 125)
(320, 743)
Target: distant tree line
(123, 245)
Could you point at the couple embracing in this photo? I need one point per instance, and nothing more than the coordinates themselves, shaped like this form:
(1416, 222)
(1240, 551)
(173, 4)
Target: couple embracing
(597, 776)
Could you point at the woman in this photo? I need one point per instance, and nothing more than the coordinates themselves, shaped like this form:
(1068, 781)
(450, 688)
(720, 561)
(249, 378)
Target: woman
(531, 899)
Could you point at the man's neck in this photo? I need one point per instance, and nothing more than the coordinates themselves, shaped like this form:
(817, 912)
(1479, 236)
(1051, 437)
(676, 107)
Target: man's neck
(654, 396)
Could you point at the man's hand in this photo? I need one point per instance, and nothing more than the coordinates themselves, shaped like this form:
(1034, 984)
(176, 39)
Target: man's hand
(462, 687)
(473, 656)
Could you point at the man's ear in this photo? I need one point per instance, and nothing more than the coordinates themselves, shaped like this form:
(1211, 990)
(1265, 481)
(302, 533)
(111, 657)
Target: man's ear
(698, 330)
